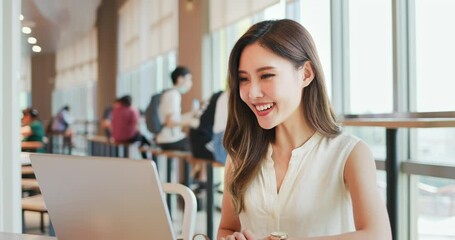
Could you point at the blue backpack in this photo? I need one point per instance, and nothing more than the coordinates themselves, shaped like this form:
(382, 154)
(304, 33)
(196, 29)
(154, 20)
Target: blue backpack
(152, 119)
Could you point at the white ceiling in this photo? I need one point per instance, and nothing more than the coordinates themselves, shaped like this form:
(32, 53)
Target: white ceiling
(57, 23)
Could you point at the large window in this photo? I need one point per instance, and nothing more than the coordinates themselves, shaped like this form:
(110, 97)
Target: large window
(148, 78)
(222, 41)
(434, 51)
(434, 207)
(315, 17)
(370, 56)
(370, 66)
(432, 78)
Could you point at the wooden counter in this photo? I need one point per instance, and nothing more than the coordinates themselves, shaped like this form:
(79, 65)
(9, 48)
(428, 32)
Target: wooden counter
(400, 122)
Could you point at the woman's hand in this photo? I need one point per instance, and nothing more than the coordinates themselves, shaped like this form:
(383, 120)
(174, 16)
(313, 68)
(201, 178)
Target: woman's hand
(243, 235)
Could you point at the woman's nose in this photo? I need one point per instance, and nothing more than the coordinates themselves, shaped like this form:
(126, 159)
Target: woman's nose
(255, 91)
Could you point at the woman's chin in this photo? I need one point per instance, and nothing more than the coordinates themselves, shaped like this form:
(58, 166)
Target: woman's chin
(267, 125)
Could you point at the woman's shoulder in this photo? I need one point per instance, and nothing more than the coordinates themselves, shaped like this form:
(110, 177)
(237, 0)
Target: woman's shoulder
(344, 139)
(345, 136)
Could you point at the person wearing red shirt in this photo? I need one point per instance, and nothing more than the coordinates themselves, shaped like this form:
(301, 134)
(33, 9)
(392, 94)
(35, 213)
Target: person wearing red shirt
(124, 123)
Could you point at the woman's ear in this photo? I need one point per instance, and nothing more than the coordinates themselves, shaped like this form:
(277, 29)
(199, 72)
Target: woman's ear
(308, 73)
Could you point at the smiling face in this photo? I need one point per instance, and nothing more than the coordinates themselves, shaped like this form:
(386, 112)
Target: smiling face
(271, 86)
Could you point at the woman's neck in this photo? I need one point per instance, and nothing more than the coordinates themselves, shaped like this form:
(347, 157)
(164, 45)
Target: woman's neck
(291, 135)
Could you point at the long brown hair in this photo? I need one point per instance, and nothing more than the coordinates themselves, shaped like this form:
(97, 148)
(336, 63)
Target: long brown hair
(245, 141)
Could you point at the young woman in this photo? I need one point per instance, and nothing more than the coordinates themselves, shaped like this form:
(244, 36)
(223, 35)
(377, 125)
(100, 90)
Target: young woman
(290, 170)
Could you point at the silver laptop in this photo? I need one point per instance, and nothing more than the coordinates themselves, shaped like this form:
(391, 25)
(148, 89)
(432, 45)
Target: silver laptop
(103, 198)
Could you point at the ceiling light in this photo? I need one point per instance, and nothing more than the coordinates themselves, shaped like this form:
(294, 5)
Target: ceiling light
(26, 30)
(189, 5)
(21, 17)
(31, 40)
(36, 48)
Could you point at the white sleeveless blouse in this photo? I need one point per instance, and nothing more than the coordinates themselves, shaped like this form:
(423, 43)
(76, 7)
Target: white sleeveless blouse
(313, 199)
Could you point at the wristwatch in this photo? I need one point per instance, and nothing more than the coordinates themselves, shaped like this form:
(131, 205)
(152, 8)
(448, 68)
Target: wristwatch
(278, 236)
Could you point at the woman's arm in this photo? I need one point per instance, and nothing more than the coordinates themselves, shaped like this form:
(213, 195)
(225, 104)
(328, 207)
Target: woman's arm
(230, 221)
(370, 214)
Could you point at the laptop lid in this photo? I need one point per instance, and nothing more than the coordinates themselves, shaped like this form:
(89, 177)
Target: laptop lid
(102, 198)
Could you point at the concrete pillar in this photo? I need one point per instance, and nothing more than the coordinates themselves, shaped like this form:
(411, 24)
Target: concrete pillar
(10, 188)
(192, 27)
(43, 81)
(107, 54)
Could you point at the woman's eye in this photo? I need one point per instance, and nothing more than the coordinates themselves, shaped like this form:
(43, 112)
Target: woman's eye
(243, 79)
(266, 76)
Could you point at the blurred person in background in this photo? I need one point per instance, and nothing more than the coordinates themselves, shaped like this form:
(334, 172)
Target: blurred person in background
(32, 129)
(124, 124)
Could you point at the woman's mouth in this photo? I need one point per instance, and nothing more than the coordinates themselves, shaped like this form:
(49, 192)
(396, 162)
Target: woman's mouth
(264, 109)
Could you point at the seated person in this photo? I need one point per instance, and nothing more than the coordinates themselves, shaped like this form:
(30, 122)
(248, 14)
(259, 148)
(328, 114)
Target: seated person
(219, 125)
(203, 134)
(32, 129)
(206, 139)
(124, 123)
(171, 136)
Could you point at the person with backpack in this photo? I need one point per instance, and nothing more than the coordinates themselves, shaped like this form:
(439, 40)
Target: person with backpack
(171, 136)
(152, 118)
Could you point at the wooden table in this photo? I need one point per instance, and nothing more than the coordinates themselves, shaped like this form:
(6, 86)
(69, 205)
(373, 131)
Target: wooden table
(31, 145)
(102, 146)
(17, 236)
(392, 122)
